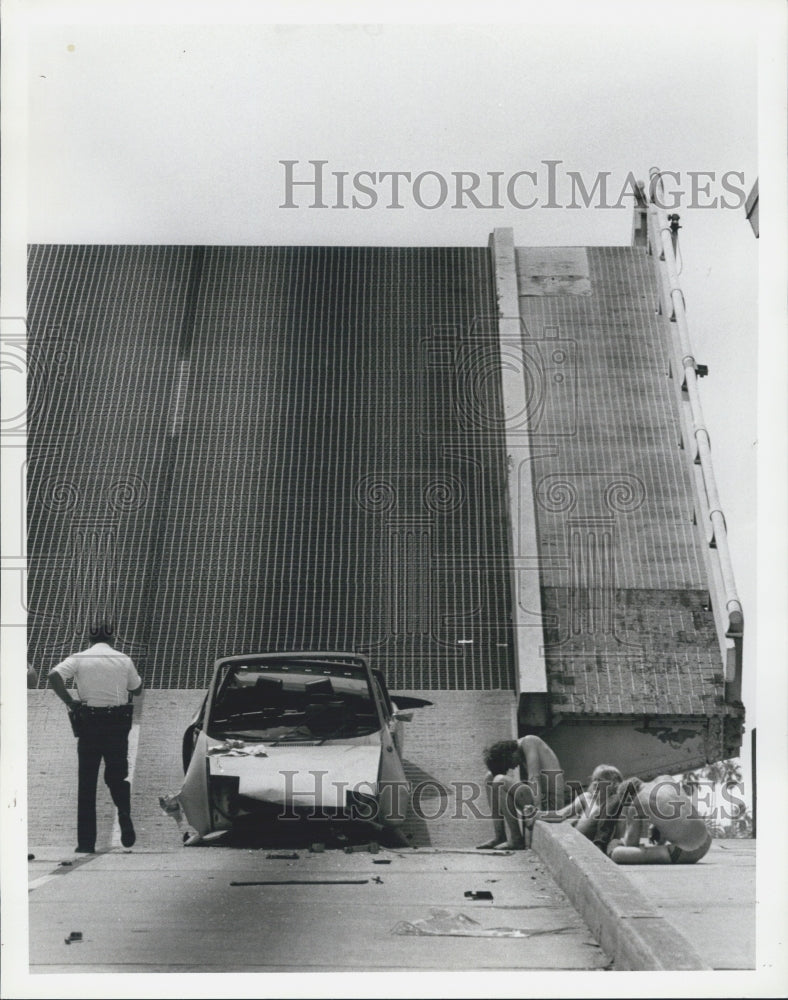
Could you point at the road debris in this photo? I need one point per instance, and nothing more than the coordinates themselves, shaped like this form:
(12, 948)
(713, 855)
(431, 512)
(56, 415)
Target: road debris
(371, 848)
(295, 881)
(444, 923)
(236, 748)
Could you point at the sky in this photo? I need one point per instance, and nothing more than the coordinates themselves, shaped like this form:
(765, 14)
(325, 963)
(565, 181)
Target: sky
(156, 123)
(175, 133)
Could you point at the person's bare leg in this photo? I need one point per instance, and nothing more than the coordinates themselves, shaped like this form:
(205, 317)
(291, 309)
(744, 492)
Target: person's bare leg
(509, 798)
(528, 833)
(504, 836)
(587, 825)
(518, 816)
(640, 855)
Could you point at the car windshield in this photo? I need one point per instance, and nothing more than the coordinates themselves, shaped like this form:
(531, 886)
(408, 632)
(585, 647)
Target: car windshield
(290, 702)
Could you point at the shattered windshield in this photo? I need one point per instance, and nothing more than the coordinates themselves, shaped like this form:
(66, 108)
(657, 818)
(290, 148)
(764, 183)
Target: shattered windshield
(293, 702)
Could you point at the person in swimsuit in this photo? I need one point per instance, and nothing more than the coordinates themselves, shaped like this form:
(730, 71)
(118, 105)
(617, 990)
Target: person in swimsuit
(661, 812)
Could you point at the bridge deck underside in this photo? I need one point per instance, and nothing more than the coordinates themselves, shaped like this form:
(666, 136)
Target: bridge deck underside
(235, 449)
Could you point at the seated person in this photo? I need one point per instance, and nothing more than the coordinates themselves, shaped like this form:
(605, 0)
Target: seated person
(588, 809)
(604, 780)
(509, 798)
(664, 813)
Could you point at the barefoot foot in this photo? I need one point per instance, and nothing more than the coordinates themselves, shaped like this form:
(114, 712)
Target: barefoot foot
(488, 845)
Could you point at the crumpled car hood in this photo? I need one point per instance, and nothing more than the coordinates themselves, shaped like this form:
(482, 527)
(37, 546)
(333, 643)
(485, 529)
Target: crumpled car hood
(305, 776)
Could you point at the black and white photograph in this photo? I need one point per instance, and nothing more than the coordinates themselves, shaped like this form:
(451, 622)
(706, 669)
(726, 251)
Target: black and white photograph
(394, 498)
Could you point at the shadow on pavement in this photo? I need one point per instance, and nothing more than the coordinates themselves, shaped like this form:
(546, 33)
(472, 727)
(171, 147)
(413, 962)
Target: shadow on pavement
(304, 834)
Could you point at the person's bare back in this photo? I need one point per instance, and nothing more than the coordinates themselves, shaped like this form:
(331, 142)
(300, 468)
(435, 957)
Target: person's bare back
(512, 800)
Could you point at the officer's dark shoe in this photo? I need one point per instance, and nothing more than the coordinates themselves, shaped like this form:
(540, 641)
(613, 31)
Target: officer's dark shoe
(84, 850)
(127, 834)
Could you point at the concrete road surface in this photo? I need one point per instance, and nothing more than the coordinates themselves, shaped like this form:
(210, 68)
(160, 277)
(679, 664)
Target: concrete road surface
(235, 909)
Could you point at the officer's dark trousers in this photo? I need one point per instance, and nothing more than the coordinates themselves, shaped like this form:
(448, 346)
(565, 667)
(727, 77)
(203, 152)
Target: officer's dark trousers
(105, 737)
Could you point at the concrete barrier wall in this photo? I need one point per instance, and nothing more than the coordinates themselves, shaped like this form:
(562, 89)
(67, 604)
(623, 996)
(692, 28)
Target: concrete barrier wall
(625, 924)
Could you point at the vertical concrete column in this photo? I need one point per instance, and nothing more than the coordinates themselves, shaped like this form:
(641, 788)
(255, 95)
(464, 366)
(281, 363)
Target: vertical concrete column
(526, 594)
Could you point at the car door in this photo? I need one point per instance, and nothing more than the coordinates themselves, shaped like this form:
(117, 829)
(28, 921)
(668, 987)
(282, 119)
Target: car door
(193, 730)
(393, 719)
(393, 784)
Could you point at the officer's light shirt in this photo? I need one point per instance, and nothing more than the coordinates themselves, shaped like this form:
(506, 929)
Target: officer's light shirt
(104, 676)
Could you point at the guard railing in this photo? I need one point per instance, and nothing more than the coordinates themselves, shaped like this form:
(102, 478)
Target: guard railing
(725, 603)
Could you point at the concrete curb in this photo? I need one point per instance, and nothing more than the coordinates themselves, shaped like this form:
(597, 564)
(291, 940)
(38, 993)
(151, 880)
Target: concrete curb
(621, 919)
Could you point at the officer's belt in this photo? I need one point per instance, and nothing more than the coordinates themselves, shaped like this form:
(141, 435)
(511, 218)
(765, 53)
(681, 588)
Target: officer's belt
(120, 710)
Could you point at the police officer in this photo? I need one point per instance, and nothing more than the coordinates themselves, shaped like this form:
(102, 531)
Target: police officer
(105, 681)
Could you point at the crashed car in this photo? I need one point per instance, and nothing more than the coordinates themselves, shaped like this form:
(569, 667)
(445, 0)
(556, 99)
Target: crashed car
(296, 734)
